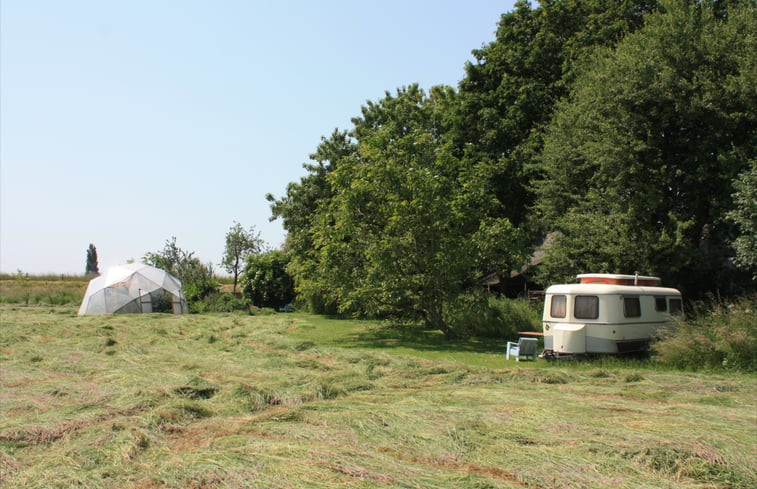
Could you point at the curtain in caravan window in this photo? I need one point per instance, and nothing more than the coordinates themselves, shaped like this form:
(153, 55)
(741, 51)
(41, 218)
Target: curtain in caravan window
(557, 306)
(631, 307)
(586, 307)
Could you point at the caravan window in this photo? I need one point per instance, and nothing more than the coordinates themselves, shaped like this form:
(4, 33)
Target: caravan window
(660, 304)
(586, 307)
(631, 307)
(557, 306)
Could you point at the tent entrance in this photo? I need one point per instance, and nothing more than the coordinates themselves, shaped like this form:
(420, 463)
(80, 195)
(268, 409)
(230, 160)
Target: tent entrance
(162, 301)
(145, 303)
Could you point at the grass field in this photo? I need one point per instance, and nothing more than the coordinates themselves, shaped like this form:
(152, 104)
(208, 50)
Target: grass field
(301, 401)
(51, 290)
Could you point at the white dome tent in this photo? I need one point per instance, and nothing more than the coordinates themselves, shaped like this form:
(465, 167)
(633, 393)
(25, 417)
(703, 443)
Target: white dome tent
(133, 288)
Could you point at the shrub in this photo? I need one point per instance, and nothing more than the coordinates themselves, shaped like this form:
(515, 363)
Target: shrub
(723, 337)
(219, 302)
(198, 278)
(482, 314)
(265, 282)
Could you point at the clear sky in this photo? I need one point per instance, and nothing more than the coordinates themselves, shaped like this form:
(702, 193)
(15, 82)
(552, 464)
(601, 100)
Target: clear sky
(124, 123)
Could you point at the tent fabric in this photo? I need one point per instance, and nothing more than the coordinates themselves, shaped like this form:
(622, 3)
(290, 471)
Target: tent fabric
(132, 288)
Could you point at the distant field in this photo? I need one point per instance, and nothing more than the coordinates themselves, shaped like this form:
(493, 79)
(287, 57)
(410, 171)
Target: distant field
(51, 290)
(301, 401)
(57, 289)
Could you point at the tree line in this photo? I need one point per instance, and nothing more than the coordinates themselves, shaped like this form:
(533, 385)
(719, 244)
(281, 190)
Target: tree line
(624, 132)
(260, 271)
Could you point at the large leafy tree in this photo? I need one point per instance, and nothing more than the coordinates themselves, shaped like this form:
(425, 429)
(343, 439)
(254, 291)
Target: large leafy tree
(240, 243)
(299, 209)
(407, 228)
(641, 158)
(511, 89)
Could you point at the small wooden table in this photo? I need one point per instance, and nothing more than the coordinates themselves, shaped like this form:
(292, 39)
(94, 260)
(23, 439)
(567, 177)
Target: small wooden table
(532, 334)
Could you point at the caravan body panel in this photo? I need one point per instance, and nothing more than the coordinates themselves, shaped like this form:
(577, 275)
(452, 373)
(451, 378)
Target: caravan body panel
(604, 317)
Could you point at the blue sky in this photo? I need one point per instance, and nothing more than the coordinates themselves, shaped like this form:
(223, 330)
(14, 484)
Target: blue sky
(126, 123)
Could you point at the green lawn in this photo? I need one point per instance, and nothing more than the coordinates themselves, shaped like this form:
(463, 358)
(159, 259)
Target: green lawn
(302, 401)
(397, 340)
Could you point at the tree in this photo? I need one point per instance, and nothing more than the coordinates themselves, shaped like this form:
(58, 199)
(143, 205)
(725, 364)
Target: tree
(91, 267)
(745, 216)
(266, 282)
(648, 145)
(197, 278)
(299, 209)
(407, 228)
(240, 243)
(510, 91)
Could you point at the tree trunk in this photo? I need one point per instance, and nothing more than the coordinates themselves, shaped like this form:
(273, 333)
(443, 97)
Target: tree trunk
(435, 320)
(236, 274)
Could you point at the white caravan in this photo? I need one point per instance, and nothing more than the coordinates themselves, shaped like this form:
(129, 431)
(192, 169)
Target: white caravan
(606, 313)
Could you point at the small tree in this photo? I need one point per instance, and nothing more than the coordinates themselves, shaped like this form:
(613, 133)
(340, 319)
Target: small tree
(240, 243)
(196, 277)
(91, 268)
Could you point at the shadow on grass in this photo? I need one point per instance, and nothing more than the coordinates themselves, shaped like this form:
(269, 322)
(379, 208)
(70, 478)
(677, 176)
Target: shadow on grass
(394, 336)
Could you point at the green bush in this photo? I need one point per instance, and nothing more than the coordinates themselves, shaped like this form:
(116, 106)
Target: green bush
(219, 302)
(723, 337)
(265, 282)
(484, 315)
(198, 278)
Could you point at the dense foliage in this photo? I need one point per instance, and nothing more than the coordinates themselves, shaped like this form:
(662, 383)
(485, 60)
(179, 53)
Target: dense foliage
(623, 130)
(406, 230)
(723, 336)
(266, 282)
(219, 302)
(480, 314)
(647, 147)
(744, 215)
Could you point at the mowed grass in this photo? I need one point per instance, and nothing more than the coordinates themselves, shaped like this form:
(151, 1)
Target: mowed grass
(397, 339)
(300, 401)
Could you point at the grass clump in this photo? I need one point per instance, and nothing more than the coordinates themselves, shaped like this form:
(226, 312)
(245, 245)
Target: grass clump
(176, 415)
(722, 337)
(694, 460)
(258, 398)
